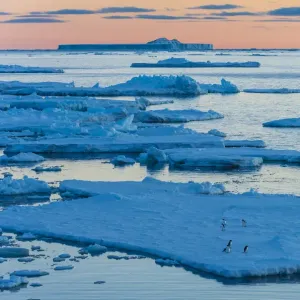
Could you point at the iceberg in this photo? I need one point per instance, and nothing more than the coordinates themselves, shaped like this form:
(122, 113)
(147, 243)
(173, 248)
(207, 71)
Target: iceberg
(285, 123)
(21, 69)
(184, 63)
(176, 116)
(150, 214)
(272, 91)
(10, 186)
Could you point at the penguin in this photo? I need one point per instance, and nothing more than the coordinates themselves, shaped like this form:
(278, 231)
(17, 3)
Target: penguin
(246, 249)
(244, 223)
(223, 227)
(227, 250)
(229, 244)
(224, 222)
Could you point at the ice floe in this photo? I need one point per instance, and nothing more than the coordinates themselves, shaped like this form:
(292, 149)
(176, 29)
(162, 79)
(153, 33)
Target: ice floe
(29, 273)
(176, 116)
(244, 143)
(226, 87)
(21, 69)
(22, 158)
(93, 250)
(122, 160)
(13, 252)
(27, 236)
(217, 133)
(12, 282)
(288, 123)
(26, 259)
(47, 169)
(63, 268)
(11, 186)
(184, 63)
(272, 91)
(167, 262)
(150, 214)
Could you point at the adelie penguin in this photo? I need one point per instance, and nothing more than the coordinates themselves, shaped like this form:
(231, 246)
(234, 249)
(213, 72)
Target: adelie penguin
(246, 249)
(244, 223)
(229, 244)
(227, 249)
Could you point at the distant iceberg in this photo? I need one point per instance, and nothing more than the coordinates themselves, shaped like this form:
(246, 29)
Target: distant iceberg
(184, 63)
(292, 122)
(21, 69)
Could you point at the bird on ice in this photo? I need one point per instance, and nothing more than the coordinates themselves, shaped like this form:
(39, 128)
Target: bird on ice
(229, 244)
(244, 223)
(227, 249)
(223, 224)
(246, 249)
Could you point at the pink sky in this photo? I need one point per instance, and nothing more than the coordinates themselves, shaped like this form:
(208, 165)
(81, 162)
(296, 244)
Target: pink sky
(243, 33)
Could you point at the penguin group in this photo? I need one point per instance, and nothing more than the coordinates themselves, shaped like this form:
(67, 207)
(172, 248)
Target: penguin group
(227, 249)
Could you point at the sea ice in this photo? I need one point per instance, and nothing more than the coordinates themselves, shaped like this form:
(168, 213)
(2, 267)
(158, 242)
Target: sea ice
(272, 91)
(226, 87)
(167, 262)
(27, 236)
(217, 133)
(21, 69)
(93, 250)
(12, 282)
(63, 268)
(4, 241)
(147, 216)
(22, 158)
(13, 252)
(47, 169)
(244, 143)
(29, 273)
(26, 259)
(176, 116)
(10, 186)
(122, 160)
(288, 123)
(184, 63)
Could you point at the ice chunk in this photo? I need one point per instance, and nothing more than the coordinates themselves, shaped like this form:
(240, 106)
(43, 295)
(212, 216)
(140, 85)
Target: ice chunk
(58, 259)
(35, 284)
(173, 60)
(4, 241)
(12, 252)
(176, 116)
(226, 87)
(122, 160)
(47, 169)
(93, 250)
(217, 133)
(64, 255)
(155, 156)
(10, 186)
(12, 282)
(99, 282)
(21, 69)
(28, 236)
(26, 259)
(290, 123)
(29, 273)
(63, 268)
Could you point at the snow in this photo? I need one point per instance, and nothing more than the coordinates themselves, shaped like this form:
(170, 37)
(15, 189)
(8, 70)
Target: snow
(119, 144)
(288, 123)
(176, 116)
(29, 273)
(217, 133)
(22, 158)
(244, 143)
(12, 252)
(21, 69)
(47, 169)
(10, 186)
(63, 268)
(12, 282)
(272, 91)
(122, 160)
(147, 217)
(184, 63)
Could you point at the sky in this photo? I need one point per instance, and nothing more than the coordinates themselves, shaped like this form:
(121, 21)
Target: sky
(44, 24)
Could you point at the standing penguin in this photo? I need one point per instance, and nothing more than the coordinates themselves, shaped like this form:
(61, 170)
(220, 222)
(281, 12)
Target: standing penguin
(244, 223)
(227, 250)
(229, 244)
(246, 249)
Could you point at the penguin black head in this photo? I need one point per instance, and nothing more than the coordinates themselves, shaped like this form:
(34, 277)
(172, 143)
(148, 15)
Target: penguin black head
(246, 249)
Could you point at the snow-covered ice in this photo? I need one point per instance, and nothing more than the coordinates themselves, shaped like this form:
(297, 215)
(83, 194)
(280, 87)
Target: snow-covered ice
(10, 186)
(288, 123)
(150, 214)
(184, 63)
(176, 116)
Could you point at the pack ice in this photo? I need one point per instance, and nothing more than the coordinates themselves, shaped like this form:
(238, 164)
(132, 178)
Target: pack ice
(147, 216)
